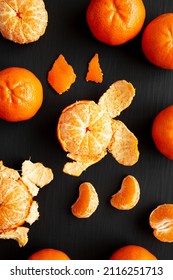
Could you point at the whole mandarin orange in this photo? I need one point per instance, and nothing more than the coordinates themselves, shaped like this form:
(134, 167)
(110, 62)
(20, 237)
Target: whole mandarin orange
(21, 94)
(157, 41)
(115, 22)
(162, 132)
(49, 254)
(132, 252)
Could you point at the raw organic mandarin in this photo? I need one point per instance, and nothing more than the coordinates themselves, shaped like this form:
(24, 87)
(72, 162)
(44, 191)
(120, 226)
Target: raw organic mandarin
(16, 198)
(61, 76)
(157, 41)
(161, 221)
(21, 94)
(94, 73)
(23, 21)
(132, 252)
(49, 254)
(87, 131)
(128, 196)
(87, 202)
(162, 132)
(115, 22)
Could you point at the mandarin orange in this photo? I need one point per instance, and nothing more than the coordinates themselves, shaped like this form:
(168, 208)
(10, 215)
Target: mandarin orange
(132, 252)
(21, 94)
(161, 221)
(128, 196)
(157, 41)
(87, 202)
(23, 21)
(49, 254)
(162, 132)
(16, 198)
(115, 22)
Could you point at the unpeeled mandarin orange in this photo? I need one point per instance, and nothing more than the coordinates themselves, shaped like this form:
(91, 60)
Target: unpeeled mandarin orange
(115, 22)
(21, 94)
(132, 252)
(157, 41)
(49, 254)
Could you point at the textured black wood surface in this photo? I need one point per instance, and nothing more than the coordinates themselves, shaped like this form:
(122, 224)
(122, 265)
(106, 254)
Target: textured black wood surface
(108, 229)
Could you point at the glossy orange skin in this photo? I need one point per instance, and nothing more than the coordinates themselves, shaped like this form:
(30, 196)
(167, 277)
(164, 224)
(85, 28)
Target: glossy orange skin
(157, 41)
(115, 22)
(132, 252)
(162, 132)
(21, 94)
(49, 254)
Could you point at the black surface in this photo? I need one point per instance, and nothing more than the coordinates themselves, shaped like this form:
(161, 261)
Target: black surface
(108, 229)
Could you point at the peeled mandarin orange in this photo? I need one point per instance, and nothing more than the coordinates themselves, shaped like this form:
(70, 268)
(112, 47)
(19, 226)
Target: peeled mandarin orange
(94, 73)
(115, 22)
(132, 252)
(162, 131)
(87, 202)
(49, 254)
(62, 75)
(16, 199)
(128, 196)
(161, 221)
(87, 131)
(157, 41)
(23, 21)
(21, 94)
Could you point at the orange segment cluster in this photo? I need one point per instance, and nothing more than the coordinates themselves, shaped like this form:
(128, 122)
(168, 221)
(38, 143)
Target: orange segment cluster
(23, 21)
(161, 221)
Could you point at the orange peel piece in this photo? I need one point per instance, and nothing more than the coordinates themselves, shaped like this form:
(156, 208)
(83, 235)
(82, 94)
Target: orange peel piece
(117, 98)
(128, 195)
(61, 76)
(19, 234)
(124, 144)
(94, 73)
(161, 221)
(87, 202)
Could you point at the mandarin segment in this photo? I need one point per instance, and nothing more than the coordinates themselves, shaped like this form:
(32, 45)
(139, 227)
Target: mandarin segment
(128, 195)
(124, 144)
(161, 221)
(23, 21)
(87, 202)
(61, 76)
(117, 98)
(94, 73)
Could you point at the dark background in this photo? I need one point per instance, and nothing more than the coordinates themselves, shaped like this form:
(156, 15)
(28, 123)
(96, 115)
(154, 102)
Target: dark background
(107, 229)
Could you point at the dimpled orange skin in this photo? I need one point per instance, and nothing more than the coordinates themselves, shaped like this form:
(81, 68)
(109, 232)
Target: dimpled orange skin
(162, 132)
(49, 254)
(132, 252)
(23, 21)
(21, 94)
(115, 22)
(157, 41)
